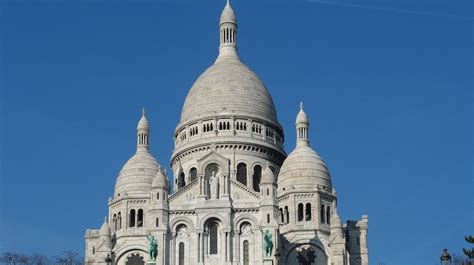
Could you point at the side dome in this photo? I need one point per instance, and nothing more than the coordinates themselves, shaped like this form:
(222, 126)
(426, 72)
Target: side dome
(137, 174)
(303, 168)
(228, 86)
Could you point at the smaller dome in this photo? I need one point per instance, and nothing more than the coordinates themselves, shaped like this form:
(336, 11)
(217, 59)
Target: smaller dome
(137, 174)
(301, 117)
(228, 14)
(160, 180)
(304, 168)
(268, 177)
(105, 229)
(143, 123)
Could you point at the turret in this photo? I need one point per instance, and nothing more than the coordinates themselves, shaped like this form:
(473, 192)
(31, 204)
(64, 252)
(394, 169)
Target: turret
(302, 126)
(143, 134)
(228, 33)
(159, 211)
(269, 205)
(105, 234)
(338, 240)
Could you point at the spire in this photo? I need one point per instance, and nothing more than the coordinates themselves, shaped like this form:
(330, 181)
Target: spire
(143, 133)
(267, 176)
(228, 33)
(302, 125)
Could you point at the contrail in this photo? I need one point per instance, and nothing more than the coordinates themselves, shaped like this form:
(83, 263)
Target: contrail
(392, 9)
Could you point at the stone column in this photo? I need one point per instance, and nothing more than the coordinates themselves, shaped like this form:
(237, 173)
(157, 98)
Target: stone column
(223, 246)
(172, 248)
(237, 247)
(202, 247)
(199, 246)
(221, 185)
(228, 245)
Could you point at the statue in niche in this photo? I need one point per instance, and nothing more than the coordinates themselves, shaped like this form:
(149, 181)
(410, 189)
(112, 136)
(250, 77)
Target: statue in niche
(267, 243)
(214, 185)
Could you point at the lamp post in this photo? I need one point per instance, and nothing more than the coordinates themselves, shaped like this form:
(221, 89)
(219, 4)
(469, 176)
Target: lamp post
(108, 260)
(277, 257)
(445, 257)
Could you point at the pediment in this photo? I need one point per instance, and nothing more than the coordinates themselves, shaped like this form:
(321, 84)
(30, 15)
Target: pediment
(213, 158)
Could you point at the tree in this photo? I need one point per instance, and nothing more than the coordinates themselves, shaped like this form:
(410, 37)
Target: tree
(469, 252)
(69, 258)
(15, 258)
(38, 259)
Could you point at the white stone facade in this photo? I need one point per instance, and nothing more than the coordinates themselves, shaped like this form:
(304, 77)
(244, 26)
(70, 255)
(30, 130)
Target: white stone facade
(233, 182)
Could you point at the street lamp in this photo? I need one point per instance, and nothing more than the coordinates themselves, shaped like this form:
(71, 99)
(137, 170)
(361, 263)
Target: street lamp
(445, 257)
(108, 260)
(277, 257)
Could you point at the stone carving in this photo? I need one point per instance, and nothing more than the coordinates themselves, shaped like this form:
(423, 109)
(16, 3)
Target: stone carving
(267, 243)
(182, 231)
(189, 196)
(246, 229)
(214, 185)
(152, 247)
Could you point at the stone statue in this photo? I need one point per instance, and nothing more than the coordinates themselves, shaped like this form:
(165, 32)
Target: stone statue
(267, 243)
(214, 185)
(152, 247)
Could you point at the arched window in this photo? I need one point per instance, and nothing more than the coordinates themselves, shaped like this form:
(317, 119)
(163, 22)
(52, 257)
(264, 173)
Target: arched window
(282, 216)
(119, 221)
(257, 174)
(157, 222)
(140, 218)
(181, 180)
(157, 196)
(300, 212)
(181, 254)
(246, 253)
(193, 173)
(242, 173)
(308, 212)
(93, 250)
(213, 234)
(114, 221)
(328, 215)
(322, 214)
(268, 218)
(287, 213)
(131, 219)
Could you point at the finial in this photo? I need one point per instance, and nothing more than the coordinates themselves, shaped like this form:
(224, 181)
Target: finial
(105, 219)
(228, 3)
(301, 105)
(143, 112)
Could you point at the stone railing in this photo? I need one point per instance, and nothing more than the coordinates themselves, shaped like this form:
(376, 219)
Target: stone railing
(183, 189)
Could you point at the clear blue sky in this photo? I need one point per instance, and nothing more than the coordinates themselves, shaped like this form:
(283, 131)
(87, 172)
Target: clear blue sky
(387, 85)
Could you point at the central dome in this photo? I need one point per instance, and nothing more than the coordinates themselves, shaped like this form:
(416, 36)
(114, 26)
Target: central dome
(228, 86)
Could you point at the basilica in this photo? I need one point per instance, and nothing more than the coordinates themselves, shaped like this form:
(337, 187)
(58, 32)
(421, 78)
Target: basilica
(236, 197)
